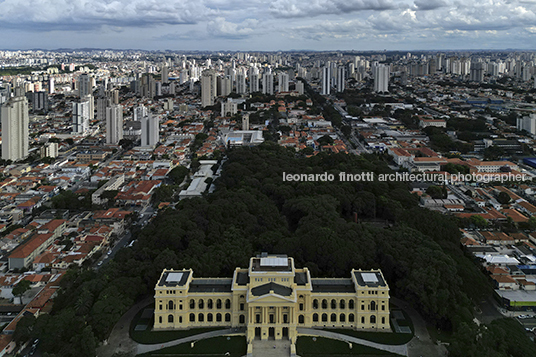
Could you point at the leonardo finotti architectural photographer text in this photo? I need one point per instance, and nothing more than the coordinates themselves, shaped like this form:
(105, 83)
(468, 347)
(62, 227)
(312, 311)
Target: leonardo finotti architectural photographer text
(406, 177)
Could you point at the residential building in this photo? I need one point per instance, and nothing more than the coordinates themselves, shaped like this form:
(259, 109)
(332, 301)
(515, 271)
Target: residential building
(114, 124)
(15, 121)
(150, 130)
(381, 78)
(208, 88)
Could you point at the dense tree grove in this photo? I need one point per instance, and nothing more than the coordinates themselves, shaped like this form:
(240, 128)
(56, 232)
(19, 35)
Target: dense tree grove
(330, 227)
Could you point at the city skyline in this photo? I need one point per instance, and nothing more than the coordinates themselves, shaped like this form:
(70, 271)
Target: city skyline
(269, 26)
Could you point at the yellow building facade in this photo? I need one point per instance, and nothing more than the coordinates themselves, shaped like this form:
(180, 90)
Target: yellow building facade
(271, 299)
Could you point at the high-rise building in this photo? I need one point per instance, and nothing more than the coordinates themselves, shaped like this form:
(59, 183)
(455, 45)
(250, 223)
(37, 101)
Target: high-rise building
(341, 79)
(139, 112)
(282, 82)
(245, 121)
(81, 117)
(165, 74)
(114, 124)
(381, 78)
(15, 121)
(241, 83)
(477, 71)
(326, 80)
(148, 86)
(149, 130)
(268, 82)
(527, 123)
(300, 87)
(84, 85)
(51, 88)
(208, 88)
(49, 150)
(226, 86)
(40, 101)
(253, 75)
(102, 103)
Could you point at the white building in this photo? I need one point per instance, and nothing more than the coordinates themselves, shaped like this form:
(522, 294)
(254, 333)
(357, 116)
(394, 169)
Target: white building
(114, 124)
(84, 85)
(381, 78)
(241, 83)
(150, 128)
(341, 79)
(268, 82)
(282, 82)
(326, 80)
(49, 150)
(15, 121)
(527, 123)
(229, 106)
(208, 88)
(81, 117)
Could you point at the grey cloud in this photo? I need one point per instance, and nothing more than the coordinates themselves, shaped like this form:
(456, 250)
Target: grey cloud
(302, 8)
(86, 15)
(429, 4)
(219, 27)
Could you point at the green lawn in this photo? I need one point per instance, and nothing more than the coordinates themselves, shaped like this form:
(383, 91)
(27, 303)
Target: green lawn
(387, 338)
(217, 346)
(325, 347)
(152, 337)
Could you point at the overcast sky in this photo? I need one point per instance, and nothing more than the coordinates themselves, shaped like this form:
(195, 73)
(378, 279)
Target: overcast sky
(268, 25)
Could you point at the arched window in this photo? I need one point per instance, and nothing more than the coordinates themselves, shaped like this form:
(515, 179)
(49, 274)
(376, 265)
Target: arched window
(180, 319)
(373, 305)
(362, 319)
(200, 304)
(315, 304)
(342, 304)
(372, 319)
(192, 304)
(333, 304)
(324, 317)
(333, 317)
(227, 317)
(242, 319)
(192, 317)
(218, 304)
(218, 317)
(315, 317)
(351, 318)
(200, 317)
(383, 320)
(301, 319)
(209, 304)
(350, 304)
(160, 319)
(170, 318)
(300, 297)
(342, 318)
(170, 305)
(324, 304)
(209, 318)
(227, 304)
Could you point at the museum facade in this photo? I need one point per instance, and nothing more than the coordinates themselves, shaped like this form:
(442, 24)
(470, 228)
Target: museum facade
(271, 299)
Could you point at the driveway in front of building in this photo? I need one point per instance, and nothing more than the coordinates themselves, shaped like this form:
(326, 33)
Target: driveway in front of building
(421, 345)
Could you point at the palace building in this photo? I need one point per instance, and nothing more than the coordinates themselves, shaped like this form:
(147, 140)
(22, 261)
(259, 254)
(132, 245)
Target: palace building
(272, 299)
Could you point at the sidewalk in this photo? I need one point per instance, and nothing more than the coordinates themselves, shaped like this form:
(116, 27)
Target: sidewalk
(119, 340)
